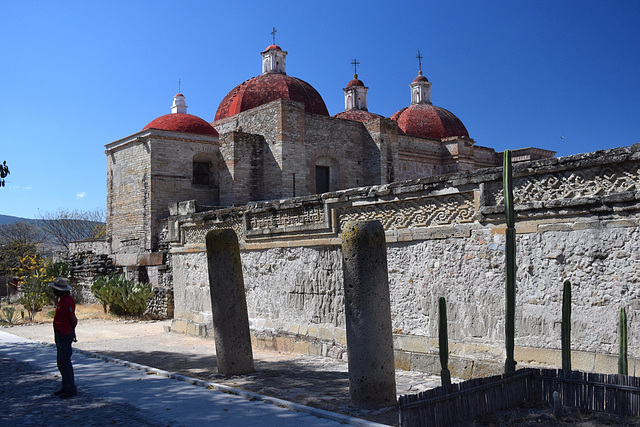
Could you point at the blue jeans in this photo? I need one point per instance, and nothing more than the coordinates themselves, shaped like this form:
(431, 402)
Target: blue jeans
(63, 346)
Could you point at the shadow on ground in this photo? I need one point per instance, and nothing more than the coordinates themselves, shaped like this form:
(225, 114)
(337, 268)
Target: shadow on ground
(27, 399)
(293, 380)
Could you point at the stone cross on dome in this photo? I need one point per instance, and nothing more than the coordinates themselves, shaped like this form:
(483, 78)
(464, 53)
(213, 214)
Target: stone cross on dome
(273, 34)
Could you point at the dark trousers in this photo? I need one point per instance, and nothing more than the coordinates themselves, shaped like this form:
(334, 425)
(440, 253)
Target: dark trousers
(63, 346)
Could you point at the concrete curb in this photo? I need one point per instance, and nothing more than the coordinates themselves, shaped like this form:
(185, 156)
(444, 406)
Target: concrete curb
(321, 413)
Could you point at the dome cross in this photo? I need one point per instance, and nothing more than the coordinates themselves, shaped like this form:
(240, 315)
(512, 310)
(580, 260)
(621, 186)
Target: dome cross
(273, 34)
(419, 58)
(355, 64)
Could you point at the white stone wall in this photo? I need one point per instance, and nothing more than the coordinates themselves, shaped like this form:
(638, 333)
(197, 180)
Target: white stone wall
(578, 218)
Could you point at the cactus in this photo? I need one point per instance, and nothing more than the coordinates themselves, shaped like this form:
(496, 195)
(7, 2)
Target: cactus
(622, 343)
(443, 342)
(510, 249)
(566, 326)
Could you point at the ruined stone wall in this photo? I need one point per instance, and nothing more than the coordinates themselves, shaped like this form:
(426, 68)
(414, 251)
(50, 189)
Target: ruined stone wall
(577, 219)
(86, 267)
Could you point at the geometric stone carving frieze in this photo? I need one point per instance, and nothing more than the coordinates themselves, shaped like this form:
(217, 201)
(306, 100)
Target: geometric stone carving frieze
(571, 184)
(304, 215)
(195, 234)
(423, 212)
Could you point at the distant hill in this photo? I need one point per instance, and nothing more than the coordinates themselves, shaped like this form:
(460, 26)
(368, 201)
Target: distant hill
(8, 219)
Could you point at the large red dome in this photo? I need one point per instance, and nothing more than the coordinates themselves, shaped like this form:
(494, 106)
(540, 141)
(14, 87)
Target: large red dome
(429, 121)
(182, 122)
(270, 87)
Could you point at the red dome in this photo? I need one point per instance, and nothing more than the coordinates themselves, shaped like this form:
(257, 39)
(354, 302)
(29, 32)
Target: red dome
(429, 121)
(420, 78)
(273, 46)
(182, 122)
(269, 87)
(357, 115)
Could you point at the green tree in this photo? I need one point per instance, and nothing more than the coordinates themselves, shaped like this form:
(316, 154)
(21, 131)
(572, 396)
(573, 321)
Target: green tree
(17, 240)
(34, 289)
(4, 171)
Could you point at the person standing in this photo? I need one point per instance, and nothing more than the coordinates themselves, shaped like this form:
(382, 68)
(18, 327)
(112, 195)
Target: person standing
(64, 330)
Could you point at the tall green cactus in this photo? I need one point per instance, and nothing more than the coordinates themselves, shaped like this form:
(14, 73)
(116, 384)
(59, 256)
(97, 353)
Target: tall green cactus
(510, 249)
(443, 342)
(622, 343)
(566, 326)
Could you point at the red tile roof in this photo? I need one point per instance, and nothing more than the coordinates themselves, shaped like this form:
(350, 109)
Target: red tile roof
(182, 122)
(357, 115)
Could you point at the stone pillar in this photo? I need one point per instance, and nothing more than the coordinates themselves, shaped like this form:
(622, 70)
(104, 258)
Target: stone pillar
(228, 304)
(372, 381)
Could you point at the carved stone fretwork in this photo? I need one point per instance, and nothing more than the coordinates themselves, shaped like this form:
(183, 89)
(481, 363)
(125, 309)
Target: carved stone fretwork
(195, 234)
(424, 212)
(305, 215)
(571, 184)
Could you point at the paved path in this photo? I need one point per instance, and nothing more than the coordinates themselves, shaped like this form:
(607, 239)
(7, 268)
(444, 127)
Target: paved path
(116, 394)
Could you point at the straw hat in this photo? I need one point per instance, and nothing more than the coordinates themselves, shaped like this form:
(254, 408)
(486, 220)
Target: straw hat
(60, 284)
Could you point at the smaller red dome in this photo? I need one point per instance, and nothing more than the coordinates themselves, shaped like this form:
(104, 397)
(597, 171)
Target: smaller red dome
(355, 82)
(182, 122)
(429, 121)
(273, 46)
(420, 78)
(357, 115)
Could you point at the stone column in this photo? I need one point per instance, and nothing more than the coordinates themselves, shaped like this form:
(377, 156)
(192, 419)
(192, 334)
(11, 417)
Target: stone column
(372, 381)
(228, 304)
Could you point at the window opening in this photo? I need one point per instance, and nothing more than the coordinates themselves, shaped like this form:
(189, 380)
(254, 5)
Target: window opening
(322, 179)
(201, 173)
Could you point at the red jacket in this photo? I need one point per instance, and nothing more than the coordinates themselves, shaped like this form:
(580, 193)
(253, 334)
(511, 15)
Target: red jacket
(65, 310)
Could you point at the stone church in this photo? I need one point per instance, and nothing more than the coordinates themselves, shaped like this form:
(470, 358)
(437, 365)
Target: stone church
(273, 138)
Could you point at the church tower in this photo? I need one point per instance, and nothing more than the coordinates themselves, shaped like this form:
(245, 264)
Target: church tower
(355, 95)
(420, 90)
(274, 60)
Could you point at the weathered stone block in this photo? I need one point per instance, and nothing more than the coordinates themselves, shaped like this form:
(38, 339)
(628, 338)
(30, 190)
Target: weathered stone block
(402, 360)
(410, 343)
(606, 363)
(301, 347)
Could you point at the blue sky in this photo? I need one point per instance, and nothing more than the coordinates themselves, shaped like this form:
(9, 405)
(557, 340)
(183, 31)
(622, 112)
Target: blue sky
(77, 75)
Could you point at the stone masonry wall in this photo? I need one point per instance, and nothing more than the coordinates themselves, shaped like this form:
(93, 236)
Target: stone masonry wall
(127, 207)
(577, 219)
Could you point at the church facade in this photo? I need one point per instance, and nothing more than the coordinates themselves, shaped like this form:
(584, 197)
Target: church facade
(273, 138)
